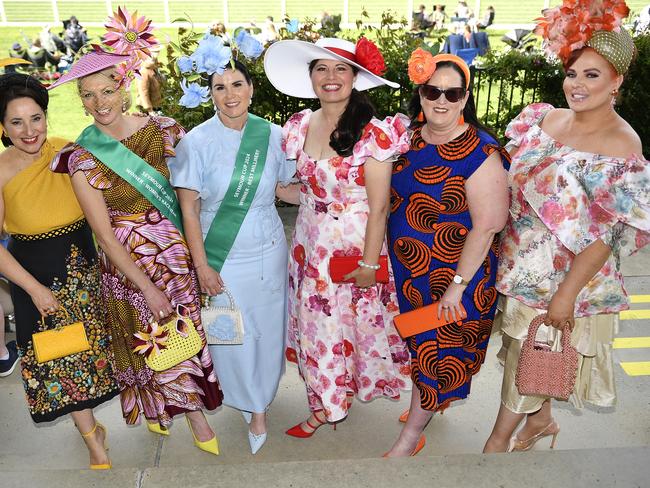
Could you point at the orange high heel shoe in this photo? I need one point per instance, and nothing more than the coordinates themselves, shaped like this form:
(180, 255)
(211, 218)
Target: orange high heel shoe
(102, 466)
(299, 432)
(405, 416)
(517, 444)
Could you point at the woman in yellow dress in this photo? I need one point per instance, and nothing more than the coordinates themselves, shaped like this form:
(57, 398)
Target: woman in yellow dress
(52, 265)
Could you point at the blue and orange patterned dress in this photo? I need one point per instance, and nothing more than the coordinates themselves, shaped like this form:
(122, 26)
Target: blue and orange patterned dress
(428, 225)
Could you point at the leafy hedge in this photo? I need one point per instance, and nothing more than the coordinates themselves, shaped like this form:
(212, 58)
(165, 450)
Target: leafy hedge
(512, 79)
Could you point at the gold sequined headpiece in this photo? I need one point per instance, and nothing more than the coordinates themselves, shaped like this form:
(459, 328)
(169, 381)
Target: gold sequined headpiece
(615, 47)
(593, 23)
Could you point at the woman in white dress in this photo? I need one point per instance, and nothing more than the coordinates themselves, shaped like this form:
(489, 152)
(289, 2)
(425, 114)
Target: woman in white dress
(255, 267)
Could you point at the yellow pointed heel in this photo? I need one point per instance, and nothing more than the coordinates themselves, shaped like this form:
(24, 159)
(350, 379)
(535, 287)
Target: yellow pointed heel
(102, 466)
(156, 428)
(211, 445)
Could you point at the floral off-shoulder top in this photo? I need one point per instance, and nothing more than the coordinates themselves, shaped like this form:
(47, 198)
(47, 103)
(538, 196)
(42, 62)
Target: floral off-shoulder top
(561, 201)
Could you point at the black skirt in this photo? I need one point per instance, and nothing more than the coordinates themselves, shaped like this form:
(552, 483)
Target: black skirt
(64, 260)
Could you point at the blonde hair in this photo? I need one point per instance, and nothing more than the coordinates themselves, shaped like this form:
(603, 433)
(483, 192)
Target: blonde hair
(127, 99)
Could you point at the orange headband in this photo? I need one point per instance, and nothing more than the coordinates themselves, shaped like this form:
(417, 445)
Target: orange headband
(422, 65)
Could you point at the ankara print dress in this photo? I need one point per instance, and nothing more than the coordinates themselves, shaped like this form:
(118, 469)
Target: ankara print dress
(342, 337)
(158, 248)
(427, 227)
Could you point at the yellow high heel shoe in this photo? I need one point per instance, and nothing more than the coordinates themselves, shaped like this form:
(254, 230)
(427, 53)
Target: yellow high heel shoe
(102, 466)
(517, 444)
(156, 428)
(211, 445)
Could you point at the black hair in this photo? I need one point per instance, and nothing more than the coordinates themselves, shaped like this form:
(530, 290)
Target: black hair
(356, 116)
(237, 66)
(18, 85)
(469, 112)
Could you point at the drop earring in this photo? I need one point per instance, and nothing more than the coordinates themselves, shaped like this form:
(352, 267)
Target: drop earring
(124, 106)
(461, 119)
(86, 112)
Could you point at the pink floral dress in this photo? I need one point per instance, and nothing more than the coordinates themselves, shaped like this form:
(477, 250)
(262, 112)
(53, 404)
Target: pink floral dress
(562, 200)
(341, 337)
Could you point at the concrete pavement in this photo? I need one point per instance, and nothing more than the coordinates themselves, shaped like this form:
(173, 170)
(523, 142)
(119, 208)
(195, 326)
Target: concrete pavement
(596, 447)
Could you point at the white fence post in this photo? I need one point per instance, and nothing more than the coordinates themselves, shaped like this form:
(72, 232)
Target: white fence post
(168, 19)
(3, 14)
(225, 13)
(409, 12)
(55, 12)
(346, 12)
(283, 8)
(109, 8)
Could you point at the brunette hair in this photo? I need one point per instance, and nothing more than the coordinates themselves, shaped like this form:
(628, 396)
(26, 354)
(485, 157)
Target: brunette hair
(356, 116)
(18, 85)
(236, 66)
(469, 112)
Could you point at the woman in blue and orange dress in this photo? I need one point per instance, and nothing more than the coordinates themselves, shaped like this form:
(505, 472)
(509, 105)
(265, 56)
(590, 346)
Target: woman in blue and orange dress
(449, 198)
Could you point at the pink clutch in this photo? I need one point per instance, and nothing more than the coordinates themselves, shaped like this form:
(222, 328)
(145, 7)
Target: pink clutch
(544, 372)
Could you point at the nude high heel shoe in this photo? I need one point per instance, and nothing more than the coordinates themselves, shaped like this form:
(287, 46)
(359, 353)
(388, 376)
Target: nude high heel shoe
(516, 444)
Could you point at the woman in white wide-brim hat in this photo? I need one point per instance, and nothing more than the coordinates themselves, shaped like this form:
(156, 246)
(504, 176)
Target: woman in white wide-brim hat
(340, 334)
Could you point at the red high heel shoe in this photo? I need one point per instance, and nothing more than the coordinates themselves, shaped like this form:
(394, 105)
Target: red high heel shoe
(298, 431)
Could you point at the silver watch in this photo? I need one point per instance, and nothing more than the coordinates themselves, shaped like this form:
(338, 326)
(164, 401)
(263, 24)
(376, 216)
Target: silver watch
(458, 279)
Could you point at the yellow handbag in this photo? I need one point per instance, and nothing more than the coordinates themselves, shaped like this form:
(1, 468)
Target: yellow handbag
(59, 342)
(164, 346)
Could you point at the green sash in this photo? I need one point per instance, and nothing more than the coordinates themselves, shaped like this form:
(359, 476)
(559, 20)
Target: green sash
(245, 178)
(135, 171)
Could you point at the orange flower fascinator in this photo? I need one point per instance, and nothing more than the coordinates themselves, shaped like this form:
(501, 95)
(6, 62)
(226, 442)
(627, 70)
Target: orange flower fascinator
(593, 23)
(422, 64)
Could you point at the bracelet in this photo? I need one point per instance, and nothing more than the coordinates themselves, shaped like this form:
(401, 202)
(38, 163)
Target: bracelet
(362, 263)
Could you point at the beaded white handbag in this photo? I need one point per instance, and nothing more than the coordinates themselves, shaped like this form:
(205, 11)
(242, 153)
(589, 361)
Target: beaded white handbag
(223, 324)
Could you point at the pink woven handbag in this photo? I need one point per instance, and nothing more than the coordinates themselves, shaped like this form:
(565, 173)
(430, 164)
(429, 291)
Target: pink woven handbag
(544, 372)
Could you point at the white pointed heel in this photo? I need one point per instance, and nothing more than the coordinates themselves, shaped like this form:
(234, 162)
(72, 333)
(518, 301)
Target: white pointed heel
(256, 441)
(248, 416)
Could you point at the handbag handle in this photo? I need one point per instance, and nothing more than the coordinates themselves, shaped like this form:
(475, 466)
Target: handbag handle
(230, 299)
(535, 325)
(67, 316)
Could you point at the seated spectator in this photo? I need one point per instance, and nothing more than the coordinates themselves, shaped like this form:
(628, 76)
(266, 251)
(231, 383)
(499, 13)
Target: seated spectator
(40, 57)
(219, 29)
(439, 17)
(51, 42)
(488, 18)
(642, 22)
(421, 21)
(269, 34)
(74, 36)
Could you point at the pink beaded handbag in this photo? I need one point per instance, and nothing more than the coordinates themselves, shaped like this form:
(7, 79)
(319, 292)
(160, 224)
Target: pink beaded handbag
(544, 372)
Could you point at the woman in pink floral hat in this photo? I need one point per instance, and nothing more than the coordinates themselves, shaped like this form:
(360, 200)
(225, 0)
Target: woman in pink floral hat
(340, 333)
(119, 173)
(579, 200)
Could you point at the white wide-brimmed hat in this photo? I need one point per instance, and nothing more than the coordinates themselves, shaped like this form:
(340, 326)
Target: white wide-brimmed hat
(286, 64)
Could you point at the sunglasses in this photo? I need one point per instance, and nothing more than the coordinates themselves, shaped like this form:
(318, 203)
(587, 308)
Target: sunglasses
(432, 93)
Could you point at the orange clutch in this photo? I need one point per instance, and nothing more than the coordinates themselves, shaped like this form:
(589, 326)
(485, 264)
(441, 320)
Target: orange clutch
(339, 266)
(422, 319)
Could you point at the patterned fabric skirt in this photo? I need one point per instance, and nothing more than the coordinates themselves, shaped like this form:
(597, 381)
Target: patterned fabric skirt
(65, 261)
(160, 251)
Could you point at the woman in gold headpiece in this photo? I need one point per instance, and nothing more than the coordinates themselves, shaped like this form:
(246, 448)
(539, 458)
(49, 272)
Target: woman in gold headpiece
(578, 202)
